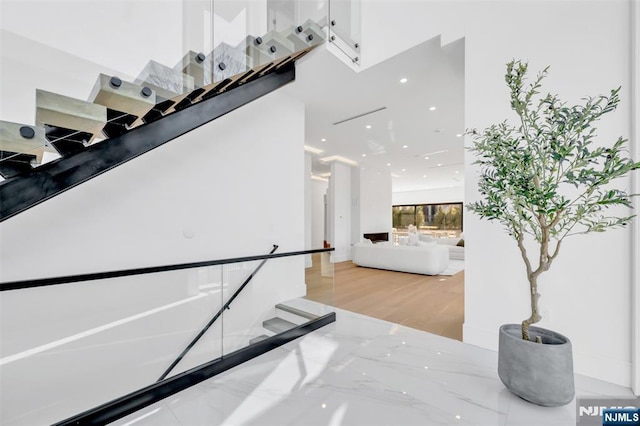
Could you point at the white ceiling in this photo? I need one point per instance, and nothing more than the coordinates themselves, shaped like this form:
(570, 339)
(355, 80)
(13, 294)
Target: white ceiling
(332, 92)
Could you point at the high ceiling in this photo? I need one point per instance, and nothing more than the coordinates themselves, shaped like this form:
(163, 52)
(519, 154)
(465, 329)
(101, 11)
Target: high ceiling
(416, 137)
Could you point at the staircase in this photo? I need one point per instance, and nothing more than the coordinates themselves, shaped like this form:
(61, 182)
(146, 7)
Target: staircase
(75, 140)
(287, 317)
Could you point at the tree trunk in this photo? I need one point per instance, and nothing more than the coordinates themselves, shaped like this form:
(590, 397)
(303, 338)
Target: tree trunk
(535, 316)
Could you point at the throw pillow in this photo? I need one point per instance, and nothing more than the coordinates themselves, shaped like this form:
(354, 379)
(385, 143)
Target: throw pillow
(367, 241)
(413, 239)
(460, 243)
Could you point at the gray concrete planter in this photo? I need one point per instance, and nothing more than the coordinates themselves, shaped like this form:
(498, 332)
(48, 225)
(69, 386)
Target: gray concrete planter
(539, 373)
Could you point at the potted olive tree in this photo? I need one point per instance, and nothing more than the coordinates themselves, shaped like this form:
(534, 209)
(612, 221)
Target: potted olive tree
(543, 179)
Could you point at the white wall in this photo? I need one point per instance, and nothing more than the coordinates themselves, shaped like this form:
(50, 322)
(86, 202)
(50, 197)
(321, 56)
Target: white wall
(587, 45)
(429, 196)
(339, 211)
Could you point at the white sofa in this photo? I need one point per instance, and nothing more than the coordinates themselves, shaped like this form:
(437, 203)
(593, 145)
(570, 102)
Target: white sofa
(455, 251)
(428, 259)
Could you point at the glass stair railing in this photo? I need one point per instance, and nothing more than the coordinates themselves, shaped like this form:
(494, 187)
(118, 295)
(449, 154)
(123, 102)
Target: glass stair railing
(92, 348)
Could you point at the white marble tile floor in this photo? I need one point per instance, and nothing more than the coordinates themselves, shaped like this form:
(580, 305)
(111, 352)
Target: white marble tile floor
(361, 371)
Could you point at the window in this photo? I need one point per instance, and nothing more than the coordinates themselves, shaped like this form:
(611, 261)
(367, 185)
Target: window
(429, 217)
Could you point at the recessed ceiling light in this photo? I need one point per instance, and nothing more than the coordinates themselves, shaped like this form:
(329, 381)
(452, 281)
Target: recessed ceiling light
(439, 164)
(432, 108)
(459, 135)
(405, 146)
(457, 172)
(403, 80)
(424, 176)
(364, 155)
(323, 140)
(368, 126)
(404, 170)
(388, 164)
(426, 158)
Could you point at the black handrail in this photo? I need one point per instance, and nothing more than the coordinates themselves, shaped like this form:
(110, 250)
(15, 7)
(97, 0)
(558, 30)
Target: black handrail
(215, 317)
(41, 282)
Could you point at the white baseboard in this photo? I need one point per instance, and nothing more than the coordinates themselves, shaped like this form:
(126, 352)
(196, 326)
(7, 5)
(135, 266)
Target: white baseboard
(601, 368)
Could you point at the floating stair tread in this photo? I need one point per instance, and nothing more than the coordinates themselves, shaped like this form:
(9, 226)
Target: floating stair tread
(278, 325)
(310, 27)
(167, 82)
(273, 37)
(235, 61)
(64, 111)
(298, 39)
(127, 97)
(258, 53)
(296, 311)
(11, 140)
(309, 306)
(199, 70)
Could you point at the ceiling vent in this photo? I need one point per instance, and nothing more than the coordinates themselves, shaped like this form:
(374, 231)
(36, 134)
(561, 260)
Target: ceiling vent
(428, 154)
(359, 115)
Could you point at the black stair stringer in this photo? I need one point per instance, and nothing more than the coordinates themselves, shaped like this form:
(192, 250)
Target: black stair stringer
(22, 192)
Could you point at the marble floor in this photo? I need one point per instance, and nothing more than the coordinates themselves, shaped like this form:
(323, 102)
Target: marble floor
(363, 371)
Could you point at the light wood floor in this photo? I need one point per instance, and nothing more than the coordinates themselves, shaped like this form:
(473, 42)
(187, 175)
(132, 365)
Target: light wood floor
(430, 303)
